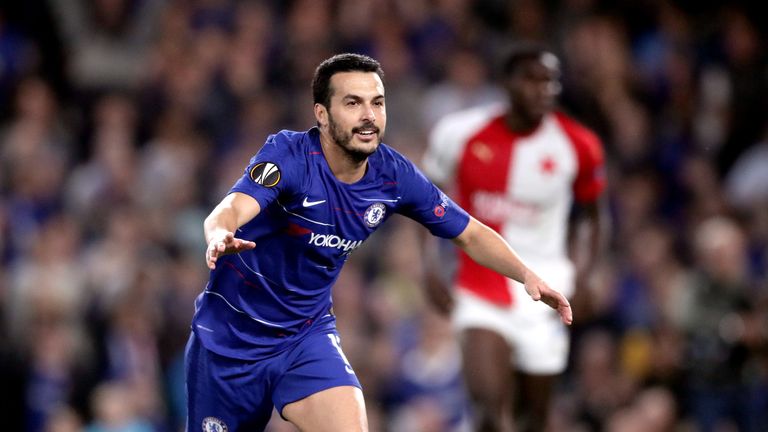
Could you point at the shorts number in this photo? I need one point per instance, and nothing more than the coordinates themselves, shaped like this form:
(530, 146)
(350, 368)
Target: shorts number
(336, 341)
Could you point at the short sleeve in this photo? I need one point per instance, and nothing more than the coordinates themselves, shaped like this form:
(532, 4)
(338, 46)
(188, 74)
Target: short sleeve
(590, 178)
(448, 138)
(590, 181)
(425, 203)
(442, 152)
(272, 172)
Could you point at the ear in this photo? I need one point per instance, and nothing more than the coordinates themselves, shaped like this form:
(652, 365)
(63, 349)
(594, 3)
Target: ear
(321, 115)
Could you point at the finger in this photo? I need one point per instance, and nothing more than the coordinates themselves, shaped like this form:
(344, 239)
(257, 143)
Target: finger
(535, 293)
(221, 246)
(210, 260)
(566, 314)
(241, 245)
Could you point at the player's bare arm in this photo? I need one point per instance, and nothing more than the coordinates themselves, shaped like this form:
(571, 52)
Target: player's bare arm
(489, 249)
(591, 234)
(232, 212)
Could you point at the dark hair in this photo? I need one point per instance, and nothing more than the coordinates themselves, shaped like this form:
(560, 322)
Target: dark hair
(348, 62)
(521, 52)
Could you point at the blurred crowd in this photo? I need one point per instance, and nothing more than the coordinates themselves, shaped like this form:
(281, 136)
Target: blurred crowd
(122, 122)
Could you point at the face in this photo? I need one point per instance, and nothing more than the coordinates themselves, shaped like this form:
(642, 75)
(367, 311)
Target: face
(534, 86)
(357, 117)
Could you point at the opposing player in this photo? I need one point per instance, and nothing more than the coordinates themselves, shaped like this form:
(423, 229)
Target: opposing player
(518, 169)
(264, 334)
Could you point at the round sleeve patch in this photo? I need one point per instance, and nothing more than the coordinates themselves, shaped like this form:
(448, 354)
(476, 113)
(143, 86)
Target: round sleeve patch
(266, 174)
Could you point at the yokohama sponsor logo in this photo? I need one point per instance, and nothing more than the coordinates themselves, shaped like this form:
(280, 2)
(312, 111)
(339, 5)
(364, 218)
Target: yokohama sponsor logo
(334, 241)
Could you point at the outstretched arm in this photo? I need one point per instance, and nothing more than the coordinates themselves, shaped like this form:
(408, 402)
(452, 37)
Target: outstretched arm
(490, 250)
(219, 227)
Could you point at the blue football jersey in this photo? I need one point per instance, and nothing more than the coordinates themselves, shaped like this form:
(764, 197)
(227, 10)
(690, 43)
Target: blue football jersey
(259, 300)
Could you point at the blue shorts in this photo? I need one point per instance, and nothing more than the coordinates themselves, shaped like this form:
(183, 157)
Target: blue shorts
(226, 394)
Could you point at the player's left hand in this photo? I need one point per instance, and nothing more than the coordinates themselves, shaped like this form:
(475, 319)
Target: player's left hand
(439, 294)
(225, 243)
(539, 290)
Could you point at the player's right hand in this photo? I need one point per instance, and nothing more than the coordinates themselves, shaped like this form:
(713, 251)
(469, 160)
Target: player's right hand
(224, 245)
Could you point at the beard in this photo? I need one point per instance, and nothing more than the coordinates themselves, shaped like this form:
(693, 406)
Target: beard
(343, 139)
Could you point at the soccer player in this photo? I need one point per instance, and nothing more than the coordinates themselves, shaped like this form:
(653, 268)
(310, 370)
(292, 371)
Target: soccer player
(264, 334)
(517, 169)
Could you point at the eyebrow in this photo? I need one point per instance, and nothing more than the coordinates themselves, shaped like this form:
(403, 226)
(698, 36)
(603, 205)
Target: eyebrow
(358, 98)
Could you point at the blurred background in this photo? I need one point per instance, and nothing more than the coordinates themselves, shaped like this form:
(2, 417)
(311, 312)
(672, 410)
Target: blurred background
(122, 122)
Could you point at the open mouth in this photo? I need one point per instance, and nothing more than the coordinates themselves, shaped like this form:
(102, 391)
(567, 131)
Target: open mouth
(367, 133)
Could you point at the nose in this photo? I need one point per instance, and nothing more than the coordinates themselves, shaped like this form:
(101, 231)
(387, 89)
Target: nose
(550, 88)
(368, 113)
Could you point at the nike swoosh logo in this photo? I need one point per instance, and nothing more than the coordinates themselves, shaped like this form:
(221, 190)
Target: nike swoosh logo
(311, 203)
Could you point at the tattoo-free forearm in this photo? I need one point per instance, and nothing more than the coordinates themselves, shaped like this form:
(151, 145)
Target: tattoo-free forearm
(222, 219)
(486, 247)
(230, 214)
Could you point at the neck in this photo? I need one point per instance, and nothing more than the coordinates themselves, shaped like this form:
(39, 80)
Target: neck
(345, 168)
(521, 123)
